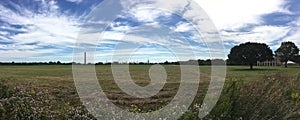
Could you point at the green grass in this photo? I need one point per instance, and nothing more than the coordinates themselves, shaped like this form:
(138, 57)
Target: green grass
(57, 79)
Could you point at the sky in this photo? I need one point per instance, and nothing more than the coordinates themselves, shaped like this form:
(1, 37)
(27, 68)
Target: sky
(48, 30)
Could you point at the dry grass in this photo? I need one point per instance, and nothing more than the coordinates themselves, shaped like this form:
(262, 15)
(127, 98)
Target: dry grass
(256, 91)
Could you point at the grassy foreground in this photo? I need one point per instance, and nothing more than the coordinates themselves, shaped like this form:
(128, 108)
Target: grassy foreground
(46, 92)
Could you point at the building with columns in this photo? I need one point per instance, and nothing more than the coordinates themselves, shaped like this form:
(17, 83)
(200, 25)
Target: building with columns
(274, 62)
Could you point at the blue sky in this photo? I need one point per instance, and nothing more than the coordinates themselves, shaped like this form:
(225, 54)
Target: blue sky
(47, 30)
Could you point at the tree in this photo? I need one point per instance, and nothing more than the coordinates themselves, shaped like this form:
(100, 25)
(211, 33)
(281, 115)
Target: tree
(249, 53)
(287, 51)
(296, 59)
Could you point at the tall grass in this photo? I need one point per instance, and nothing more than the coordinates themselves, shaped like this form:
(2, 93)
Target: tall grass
(274, 97)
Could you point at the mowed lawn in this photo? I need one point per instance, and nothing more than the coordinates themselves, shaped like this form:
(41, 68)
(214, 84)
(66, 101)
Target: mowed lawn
(58, 80)
(60, 76)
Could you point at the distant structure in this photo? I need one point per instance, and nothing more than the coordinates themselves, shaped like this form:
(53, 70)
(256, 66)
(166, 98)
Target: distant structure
(274, 62)
(84, 57)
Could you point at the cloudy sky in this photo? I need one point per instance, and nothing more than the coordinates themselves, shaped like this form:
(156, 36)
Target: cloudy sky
(47, 30)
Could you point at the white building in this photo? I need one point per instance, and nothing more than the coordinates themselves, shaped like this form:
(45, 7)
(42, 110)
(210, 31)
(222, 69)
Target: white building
(274, 62)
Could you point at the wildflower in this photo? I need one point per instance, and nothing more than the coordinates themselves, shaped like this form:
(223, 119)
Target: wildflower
(273, 79)
(32, 91)
(132, 105)
(295, 96)
(197, 106)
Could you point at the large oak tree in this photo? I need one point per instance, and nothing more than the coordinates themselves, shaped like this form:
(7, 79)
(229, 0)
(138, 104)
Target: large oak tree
(249, 53)
(287, 51)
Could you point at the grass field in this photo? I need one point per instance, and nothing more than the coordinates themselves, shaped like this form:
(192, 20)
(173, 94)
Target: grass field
(262, 93)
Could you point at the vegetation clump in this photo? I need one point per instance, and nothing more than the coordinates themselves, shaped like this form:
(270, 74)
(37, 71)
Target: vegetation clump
(33, 103)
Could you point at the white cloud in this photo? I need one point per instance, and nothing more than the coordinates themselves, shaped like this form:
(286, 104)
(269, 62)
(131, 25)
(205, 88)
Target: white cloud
(234, 14)
(294, 34)
(111, 35)
(121, 28)
(75, 1)
(183, 27)
(4, 33)
(262, 34)
(50, 27)
(49, 23)
(147, 14)
(14, 54)
(45, 27)
(229, 15)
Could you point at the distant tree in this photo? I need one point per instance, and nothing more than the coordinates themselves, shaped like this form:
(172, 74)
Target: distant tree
(218, 62)
(99, 63)
(287, 51)
(249, 53)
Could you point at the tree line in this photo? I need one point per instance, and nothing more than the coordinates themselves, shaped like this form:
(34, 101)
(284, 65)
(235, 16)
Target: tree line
(35, 63)
(249, 53)
(189, 62)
